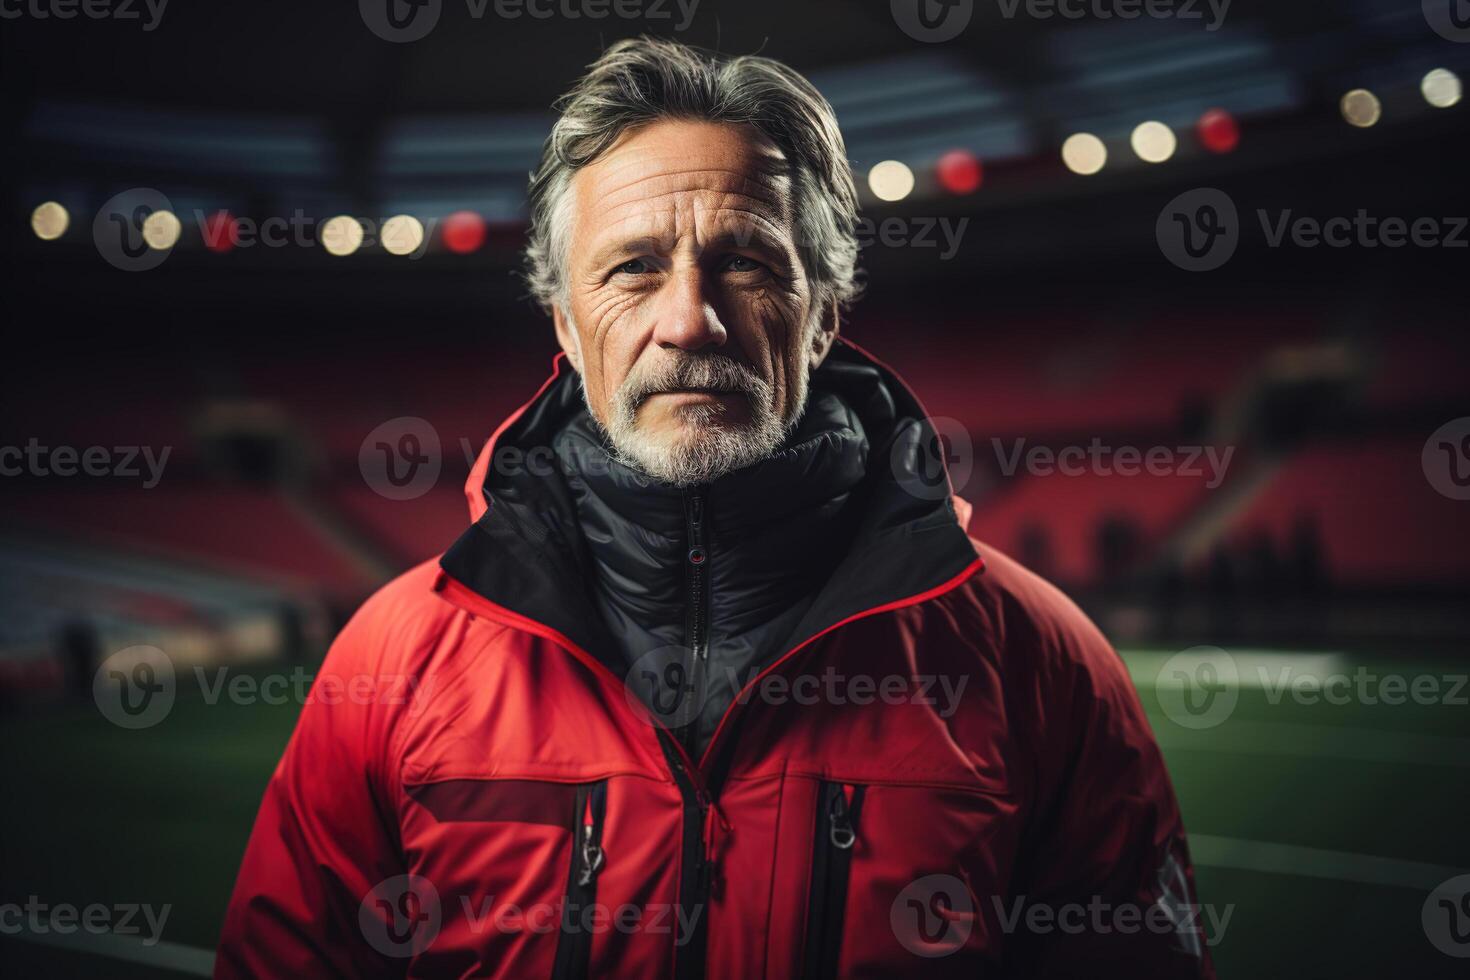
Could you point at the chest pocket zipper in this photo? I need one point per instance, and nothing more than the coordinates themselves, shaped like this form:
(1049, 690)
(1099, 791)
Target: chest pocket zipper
(574, 947)
(838, 808)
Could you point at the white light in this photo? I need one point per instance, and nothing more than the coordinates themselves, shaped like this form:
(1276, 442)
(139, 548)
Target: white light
(402, 234)
(1361, 108)
(49, 221)
(1084, 153)
(161, 230)
(341, 235)
(1154, 142)
(1441, 88)
(891, 181)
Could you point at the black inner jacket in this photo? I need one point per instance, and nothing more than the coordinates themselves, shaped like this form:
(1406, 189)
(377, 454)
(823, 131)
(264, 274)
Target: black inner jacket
(852, 513)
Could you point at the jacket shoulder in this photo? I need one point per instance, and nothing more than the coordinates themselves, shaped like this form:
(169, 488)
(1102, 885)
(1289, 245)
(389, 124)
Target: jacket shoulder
(396, 627)
(1026, 618)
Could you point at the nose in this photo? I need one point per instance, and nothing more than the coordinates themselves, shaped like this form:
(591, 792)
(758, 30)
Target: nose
(686, 318)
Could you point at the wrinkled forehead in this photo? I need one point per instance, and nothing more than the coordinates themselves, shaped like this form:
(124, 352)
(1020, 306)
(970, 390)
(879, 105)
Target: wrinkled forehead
(658, 178)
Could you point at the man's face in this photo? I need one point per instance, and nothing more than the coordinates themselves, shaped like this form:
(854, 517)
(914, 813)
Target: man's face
(691, 318)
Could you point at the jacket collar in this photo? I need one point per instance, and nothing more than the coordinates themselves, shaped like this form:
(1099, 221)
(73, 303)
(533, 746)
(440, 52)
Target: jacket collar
(524, 552)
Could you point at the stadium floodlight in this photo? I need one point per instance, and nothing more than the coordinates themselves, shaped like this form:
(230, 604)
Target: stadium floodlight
(1361, 108)
(402, 234)
(341, 235)
(1441, 88)
(1084, 154)
(161, 230)
(891, 180)
(1153, 141)
(49, 221)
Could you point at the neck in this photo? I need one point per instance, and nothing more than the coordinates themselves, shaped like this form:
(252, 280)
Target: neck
(771, 534)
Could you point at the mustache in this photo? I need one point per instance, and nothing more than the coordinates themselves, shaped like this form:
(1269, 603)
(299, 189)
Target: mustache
(711, 372)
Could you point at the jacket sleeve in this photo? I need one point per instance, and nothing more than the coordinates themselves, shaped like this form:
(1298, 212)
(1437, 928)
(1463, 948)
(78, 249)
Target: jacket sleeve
(322, 840)
(1107, 873)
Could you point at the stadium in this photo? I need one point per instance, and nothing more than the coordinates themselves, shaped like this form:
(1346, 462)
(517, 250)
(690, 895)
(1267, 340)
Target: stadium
(1181, 288)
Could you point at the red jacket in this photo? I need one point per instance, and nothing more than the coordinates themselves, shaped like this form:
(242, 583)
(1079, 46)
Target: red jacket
(471, 792)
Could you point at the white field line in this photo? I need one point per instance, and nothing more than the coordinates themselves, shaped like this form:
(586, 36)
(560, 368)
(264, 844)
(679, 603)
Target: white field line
(162, 955)
(1311, 862)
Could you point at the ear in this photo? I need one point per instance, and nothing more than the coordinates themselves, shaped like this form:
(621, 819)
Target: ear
(566, 335)
(825, 334)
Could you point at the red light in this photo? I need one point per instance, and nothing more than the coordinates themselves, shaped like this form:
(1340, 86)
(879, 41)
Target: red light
(463, 232)
(1218, 131)
(221, 232)
(959, 172)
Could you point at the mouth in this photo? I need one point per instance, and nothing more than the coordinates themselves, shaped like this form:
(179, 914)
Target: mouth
(697, 393)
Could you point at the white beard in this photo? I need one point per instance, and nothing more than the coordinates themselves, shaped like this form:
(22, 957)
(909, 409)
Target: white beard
(703, 447)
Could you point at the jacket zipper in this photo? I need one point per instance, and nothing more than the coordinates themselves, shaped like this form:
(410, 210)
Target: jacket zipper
(696, 877)
(574, 948)
(697, 612)
(696, 870)
(838, 806)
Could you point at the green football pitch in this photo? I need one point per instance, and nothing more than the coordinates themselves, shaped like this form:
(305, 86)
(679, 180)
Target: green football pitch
(1320, 824)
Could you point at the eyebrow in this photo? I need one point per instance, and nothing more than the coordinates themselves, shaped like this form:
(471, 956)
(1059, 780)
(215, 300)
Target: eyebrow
(754, 235)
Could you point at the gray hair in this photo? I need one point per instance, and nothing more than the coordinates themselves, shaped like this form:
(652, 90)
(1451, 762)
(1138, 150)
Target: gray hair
(644, 79)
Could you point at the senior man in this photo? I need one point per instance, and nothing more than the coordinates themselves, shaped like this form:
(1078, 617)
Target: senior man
(716, 683)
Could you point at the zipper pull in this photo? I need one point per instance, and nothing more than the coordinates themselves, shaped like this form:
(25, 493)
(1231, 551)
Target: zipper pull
(592, 856)
(842, 835)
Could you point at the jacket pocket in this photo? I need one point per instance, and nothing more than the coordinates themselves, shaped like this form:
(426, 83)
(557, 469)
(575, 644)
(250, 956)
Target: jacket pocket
(838, 808)
(574, 946)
